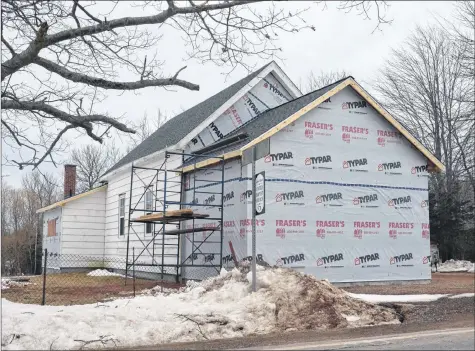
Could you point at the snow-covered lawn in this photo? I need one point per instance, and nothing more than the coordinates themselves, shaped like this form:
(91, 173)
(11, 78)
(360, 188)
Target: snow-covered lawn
(456, 266)
(221, 307)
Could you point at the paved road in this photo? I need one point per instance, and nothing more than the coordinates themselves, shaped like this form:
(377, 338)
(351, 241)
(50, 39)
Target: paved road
(449, 339)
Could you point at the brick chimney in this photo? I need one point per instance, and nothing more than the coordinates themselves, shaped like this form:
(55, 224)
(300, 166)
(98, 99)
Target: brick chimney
(69, 180)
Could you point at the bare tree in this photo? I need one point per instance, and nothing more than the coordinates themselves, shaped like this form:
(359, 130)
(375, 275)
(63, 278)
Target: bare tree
(144, 128)
(92, 162)
(317, 81)
(21, 225)
(60, 57)
(424, 85)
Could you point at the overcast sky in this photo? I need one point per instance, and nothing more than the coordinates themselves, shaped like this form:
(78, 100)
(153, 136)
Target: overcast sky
(342, 41)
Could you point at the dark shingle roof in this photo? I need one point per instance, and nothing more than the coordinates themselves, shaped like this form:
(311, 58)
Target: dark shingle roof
(181, 125)
(266, 120)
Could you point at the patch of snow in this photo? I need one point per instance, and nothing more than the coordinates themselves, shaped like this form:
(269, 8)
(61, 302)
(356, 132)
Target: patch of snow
(462, 295)
(7, 283)
(351, 318)
(397, 298)
(103, 273)
(221, 307)
(456, 266)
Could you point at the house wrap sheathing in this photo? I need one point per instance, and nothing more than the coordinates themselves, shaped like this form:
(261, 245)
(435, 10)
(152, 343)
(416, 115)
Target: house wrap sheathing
(346, 194)
(346, 185)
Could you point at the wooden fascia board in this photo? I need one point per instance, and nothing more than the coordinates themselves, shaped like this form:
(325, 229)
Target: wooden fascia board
(211, 161)
(76, 197)
(440, 167)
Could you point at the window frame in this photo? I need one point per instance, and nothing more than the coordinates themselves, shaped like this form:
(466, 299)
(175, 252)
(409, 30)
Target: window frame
(121, 215)
(148, 226)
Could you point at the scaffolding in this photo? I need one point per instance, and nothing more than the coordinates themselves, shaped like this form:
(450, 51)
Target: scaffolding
(160, 199)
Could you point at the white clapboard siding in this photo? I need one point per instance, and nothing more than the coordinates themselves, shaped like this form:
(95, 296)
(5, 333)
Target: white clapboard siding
(83, 222)
(116, 245)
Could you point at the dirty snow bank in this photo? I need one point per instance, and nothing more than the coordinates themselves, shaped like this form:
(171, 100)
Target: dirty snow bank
(103, 273)
(456, 266)
(221, 307)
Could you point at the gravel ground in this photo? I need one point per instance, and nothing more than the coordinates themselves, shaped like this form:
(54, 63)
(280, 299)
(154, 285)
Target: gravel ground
(441, 310)
(442, 283)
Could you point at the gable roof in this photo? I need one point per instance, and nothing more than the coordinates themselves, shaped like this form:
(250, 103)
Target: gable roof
(181, 125)
(293, 110)
(263, 122)
(72, 198)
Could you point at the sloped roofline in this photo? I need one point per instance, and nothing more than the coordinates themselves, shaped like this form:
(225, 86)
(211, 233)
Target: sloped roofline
(437, 165)
(281, 76)
(72, 198)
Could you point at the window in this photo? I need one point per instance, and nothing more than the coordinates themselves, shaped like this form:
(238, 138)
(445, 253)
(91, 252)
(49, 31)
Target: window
(149, 206)
(52, 227)
(121, 214)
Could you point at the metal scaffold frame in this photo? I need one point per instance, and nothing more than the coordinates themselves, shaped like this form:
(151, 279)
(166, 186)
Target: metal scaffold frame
(165, 183)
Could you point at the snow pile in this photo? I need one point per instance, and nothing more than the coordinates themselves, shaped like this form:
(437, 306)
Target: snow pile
(221, 307)
(10, 283)
(456, 266)
(103, 273)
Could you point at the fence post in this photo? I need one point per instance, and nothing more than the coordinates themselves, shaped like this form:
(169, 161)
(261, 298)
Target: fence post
(133, 268)
(44, 277)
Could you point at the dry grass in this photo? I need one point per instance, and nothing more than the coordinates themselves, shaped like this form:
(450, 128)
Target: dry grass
(442, 283)
(76, 289)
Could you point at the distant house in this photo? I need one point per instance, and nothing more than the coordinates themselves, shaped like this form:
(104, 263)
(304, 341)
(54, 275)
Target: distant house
(345, 192)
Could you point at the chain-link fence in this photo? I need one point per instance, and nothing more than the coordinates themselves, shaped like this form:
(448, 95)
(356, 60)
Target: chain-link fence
(83, 279)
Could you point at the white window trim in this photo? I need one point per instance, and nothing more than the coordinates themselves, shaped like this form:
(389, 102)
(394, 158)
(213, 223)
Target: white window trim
(121, 197)
(148, 190)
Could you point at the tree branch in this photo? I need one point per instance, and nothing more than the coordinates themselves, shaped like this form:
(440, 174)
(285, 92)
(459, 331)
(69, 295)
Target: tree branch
(107, 84)
(78, 121)
(24, 58)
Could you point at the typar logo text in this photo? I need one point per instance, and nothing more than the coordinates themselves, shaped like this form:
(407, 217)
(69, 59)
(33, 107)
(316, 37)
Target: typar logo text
(350, 105)
(319, 162)
(331, 199)
(390, 168)
(420, 171)
(274, 89)
(354, 133)
(403, 260)
(314, 129)
(283, 261)
(402, 202)
(331, 261)
(326, 105)
(280, 159)
(357, 165)
(366, 201)
(291, 198)
(227, 197)
(367, 261)
(246, 196)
